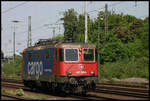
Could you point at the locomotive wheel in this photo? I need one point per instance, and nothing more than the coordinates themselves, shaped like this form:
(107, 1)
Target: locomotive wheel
(32, 85)
(93, 86)
(83, 93)
(66, 88)
(25, 83)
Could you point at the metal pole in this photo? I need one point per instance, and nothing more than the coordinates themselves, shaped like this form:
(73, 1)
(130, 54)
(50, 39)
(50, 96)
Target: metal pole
(14, 44)
(59, 28)
(14, 50)
(30, 31)
(53, 32)
(135, 3)
(106, 18)
(29, 43)
(15, 21)
(86, 29)
(98, 49)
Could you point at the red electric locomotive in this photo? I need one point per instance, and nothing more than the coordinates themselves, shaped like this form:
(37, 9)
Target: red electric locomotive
(72, 67)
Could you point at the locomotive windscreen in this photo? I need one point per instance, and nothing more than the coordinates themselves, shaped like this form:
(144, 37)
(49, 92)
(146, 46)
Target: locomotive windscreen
(88, 54)
(71, 54)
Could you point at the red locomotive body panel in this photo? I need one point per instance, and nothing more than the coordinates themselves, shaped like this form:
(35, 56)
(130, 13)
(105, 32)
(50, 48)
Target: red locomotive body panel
(78, 69)
(23, 62)
(75, 68)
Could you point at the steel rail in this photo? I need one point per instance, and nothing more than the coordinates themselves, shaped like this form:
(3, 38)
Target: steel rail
(105, 89)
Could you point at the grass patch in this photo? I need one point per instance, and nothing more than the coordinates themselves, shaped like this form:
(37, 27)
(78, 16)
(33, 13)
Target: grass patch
(20, 92)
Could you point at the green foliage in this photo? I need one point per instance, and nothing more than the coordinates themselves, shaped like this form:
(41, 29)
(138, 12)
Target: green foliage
(70, 23)
(113, 52)
(12, 69)
(80, 29)
(129, 18)
(144, 34)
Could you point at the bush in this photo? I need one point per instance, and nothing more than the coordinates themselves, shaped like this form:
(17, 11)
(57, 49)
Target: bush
(126, 69)
(12, 69)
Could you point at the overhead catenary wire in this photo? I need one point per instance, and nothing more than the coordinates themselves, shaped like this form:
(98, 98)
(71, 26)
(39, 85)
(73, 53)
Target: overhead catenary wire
(34, 29)
(23, 32)
(9, 9)
(111, 5)
(114, 4)
(37, 28)
(104, 7)
(88, 12)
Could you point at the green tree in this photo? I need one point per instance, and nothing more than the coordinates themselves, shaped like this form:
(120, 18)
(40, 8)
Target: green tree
(80, 29)
(70, 23)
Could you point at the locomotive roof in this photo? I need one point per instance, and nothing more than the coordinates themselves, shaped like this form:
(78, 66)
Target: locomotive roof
(61, 45)
(75, 45)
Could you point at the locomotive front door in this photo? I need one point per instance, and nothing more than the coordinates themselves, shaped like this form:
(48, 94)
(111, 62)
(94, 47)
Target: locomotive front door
(57, 61)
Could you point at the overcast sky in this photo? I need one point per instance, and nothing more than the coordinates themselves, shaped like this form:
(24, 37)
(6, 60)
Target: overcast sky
(50, 12)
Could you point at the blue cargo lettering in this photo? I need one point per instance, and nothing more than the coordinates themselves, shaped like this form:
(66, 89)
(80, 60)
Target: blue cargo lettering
(35, 68)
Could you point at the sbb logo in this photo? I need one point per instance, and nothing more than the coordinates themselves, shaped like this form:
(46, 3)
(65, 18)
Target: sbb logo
(81, 67)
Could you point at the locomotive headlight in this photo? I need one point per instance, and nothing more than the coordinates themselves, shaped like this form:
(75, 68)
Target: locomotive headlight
(92, 72)
(69, 72)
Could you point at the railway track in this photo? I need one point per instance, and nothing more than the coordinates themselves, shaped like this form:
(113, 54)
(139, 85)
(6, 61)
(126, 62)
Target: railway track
(130, 91)
(125, 84)
(103, 91)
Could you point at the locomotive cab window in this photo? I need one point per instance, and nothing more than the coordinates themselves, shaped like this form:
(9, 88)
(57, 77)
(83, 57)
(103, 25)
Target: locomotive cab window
(88, 54)
(71, 55)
